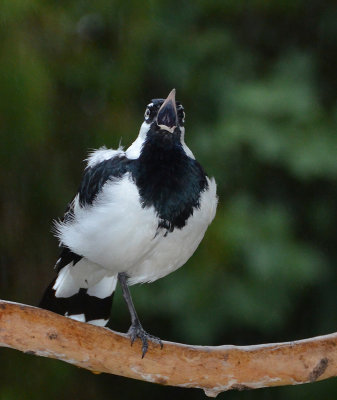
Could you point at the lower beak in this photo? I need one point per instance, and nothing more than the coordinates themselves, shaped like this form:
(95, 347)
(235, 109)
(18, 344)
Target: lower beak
(167, 114)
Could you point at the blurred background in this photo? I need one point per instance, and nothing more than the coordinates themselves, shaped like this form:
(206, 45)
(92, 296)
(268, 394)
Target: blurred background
(258, 81)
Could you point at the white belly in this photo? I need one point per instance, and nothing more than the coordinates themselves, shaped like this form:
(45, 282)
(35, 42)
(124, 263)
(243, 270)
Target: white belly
(121, 236)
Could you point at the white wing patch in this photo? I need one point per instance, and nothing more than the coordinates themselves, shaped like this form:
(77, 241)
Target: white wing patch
(102, 154)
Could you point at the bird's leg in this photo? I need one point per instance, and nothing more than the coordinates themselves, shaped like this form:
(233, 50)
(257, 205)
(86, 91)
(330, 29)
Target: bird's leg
(136, 330)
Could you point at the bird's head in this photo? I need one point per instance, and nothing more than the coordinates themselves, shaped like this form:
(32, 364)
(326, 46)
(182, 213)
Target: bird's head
(164, 121)
(165, 116)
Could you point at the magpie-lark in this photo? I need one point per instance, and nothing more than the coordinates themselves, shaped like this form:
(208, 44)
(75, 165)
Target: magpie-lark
(138, 215)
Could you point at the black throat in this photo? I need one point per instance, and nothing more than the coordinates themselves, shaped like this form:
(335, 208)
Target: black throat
(168, 179)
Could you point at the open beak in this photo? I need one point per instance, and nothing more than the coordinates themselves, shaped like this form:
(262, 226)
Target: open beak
(167, 115)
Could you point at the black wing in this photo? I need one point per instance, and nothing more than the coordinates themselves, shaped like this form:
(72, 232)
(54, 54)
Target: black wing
(96, 176)
(67, 256)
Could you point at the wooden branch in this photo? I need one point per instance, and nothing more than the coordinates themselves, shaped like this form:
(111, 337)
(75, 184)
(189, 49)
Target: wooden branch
(213, 369)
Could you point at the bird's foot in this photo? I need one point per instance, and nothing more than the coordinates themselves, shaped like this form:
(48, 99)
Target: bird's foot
(137, 331)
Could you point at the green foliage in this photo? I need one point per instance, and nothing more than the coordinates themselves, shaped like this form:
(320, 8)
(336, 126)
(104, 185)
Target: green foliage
(259, 88)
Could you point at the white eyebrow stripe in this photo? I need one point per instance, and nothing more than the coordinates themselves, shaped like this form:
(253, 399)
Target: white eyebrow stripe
(150, 105)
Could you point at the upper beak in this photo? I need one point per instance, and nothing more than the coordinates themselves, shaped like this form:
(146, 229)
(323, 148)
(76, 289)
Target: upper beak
(167, 114)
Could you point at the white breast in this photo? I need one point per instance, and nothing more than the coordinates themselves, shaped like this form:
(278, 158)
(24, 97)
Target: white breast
(121, 236)
(115, 231)
(174, 249)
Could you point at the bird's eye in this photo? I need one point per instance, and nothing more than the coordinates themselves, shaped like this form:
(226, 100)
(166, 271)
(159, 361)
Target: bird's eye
(147, 114)
(181, 114)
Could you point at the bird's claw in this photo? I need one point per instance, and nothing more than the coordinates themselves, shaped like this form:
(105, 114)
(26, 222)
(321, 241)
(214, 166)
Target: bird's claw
(137, 331)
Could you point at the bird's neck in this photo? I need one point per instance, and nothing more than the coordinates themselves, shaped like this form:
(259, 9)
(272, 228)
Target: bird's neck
(161, 150)
(163, 162)
(169, 180)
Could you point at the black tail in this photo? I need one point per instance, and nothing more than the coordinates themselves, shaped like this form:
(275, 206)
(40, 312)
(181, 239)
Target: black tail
(80, 306)
(82, 290)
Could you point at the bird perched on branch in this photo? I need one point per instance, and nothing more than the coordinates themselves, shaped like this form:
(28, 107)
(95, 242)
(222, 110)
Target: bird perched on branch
(138, 215)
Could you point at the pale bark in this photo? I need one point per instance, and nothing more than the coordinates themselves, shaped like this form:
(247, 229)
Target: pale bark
(213, 369)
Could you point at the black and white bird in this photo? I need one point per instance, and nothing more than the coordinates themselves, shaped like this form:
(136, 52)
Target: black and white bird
(139, 215)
